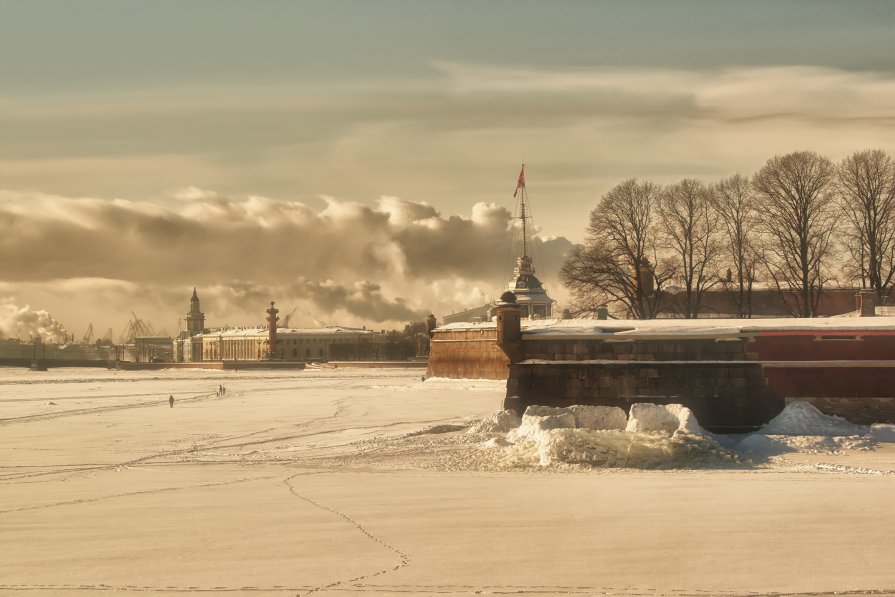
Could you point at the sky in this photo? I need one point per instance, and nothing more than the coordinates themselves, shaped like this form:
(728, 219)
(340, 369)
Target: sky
(355, 160)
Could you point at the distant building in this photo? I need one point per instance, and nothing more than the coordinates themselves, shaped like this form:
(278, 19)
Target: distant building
(721, 302)
(319, 344)
(764, 302)
(185, 349)
(198, 343)
(153, 349)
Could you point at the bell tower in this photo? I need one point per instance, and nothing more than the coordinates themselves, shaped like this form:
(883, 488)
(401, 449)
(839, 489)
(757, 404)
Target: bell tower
(195, 319)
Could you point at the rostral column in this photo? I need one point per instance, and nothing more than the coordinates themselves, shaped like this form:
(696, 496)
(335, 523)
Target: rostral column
(272, 328)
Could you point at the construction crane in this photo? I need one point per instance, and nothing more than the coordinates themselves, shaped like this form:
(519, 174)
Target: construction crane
(288, 317)
(136, 327)
(88, 334)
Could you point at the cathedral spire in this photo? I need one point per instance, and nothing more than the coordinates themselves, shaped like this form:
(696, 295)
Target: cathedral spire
(524, 214)
(530, 292)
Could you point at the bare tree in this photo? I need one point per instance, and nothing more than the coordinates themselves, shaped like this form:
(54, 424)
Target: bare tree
(867, 186)
(690, 231)
(614, 266)
(799, 217)
(734, 201)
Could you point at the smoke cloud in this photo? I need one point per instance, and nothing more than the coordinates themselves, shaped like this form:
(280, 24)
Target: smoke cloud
(25, 323)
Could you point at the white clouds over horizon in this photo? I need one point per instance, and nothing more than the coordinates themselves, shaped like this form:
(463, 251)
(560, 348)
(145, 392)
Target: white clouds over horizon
(94, 260)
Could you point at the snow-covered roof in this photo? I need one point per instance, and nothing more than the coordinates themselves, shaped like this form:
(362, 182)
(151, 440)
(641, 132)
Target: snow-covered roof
(281, 332)
(694, 328)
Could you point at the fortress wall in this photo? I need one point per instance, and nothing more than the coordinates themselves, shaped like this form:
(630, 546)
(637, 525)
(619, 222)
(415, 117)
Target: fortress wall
(730, 396)
(467, 354)
(861, 394)
(730, 382)
(714, 378)
(788, 346)
(697, 349)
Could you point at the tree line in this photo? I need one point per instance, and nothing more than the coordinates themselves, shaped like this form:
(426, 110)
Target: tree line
(799, 225)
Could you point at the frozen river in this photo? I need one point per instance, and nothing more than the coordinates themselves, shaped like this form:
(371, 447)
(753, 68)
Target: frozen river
(363, 481)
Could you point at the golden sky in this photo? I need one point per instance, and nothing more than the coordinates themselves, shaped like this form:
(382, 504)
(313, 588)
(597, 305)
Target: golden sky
(356, 160)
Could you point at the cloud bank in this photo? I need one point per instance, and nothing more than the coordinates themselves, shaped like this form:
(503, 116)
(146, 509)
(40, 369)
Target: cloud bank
(452, 136)
(95, 260)
(450, 139)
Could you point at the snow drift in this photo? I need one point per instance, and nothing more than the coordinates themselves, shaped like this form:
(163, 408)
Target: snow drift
(801, 427)
(501, 421)
(802, 418)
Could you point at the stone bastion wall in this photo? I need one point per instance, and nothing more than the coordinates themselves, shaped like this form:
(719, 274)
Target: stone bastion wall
(731, 380)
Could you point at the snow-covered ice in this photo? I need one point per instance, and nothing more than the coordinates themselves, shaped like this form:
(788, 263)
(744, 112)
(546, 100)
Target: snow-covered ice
(350, 481)
(883, 432)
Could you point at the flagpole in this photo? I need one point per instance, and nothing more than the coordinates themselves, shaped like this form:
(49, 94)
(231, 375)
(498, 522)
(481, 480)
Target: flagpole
(520, 184)
(524, 226)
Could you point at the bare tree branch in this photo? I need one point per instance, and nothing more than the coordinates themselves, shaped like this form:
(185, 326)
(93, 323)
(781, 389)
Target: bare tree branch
(867, 185)
(735, 203)
(691, 232)
(613, 267)
(799, 216)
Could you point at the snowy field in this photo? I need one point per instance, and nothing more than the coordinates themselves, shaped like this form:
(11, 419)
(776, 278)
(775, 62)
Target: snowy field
(373, 482)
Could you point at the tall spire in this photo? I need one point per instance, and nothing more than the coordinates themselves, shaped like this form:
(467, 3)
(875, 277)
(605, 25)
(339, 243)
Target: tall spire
(529, 291)
(523, 213)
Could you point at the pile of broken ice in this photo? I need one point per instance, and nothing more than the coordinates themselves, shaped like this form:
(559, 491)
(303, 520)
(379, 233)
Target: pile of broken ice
(653, 435)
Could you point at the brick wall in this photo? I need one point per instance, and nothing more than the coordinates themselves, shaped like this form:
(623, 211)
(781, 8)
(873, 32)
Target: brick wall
(783, 346)
(698, 349)
(467, 354)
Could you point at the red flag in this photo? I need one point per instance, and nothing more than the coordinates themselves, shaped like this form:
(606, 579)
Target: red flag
(521, 183)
